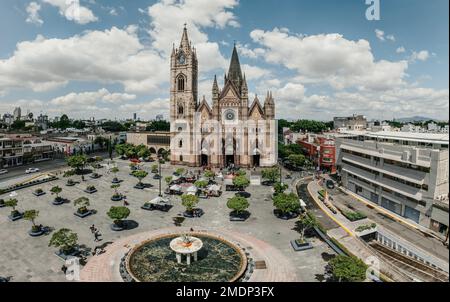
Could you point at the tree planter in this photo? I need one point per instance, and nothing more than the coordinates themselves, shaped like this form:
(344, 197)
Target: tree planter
(151, 207)
(2, 203)
(70, 184)
(196, 213)
(140, 186)
(91, 191)
(36, 232)
(15, 216)
(239, 217)
(297, 246)
(75, 252)
(95, 176)
(285, 216)
(58, 201)
(117, 227)
(116, 197)
(38, 193)
(83, 214)
(116, 181)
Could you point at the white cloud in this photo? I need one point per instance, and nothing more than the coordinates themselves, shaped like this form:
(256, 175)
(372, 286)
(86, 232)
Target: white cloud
(380, 34)
(390, 38)
(422, 55)
(110, 56)
(33, 9)
(73, 99)
(72, 10)
(401, 49)
(168, 17)
(331, 59)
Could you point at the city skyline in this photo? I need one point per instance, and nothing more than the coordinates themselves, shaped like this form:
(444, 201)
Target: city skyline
(111, 60)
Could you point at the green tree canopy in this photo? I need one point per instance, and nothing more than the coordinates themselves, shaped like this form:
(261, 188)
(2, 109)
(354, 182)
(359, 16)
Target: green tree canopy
(298, 160)
(82, 203)
(56, 190)
(64, 239)
(118, 213)
(347, 269)
(280, 187)
(189, 202)
(238, 204)
(286, 203)
(201, 184)
(77, 162)
(241, 182)
(140, 174)
(271, 174)
(11, 203)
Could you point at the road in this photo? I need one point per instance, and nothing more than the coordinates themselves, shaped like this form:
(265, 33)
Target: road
(43, 167)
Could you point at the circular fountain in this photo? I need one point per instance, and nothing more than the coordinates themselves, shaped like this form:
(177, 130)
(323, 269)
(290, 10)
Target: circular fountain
(159, 259)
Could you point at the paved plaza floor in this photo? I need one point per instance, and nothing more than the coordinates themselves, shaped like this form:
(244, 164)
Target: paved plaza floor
(30, 259)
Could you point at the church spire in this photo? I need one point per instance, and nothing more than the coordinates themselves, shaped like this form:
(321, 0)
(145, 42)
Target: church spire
(235, 72)
(185, 45)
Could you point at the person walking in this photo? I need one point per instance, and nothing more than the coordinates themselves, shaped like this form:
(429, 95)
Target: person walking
(93, 229)
(97, 236)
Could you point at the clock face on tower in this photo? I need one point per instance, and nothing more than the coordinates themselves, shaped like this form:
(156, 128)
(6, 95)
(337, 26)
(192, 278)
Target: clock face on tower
(181, 58)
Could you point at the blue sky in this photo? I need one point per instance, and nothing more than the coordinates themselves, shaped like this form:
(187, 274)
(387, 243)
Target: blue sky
(321, 58)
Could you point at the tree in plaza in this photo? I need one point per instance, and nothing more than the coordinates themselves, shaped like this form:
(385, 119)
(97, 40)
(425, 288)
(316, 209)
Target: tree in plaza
(31, 215)
(271, 174)
(82, 203)
(304, 223)
(201, 184)
(344, 268)
(65, 240)
(298, 160)
(116, 187)
(168, 180)
(241, 182)
(77, 162)
(140, 175)
(279, 187)
(142, 151)
(56, 190)
(209, 174)
(286, 203)
(238, 204)
(189, 202)
(154, 168)
(241, 172)
(118, 214)
(179, 171)
(114, 171)
(12, 203)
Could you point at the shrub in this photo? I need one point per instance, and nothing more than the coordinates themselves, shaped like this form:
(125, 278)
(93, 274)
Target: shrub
(241, 182)
(189, 202)
(271, 174)
(64, 239)
(347, 269)
(238, 204)
(201, 184)
(354, 216)
(118, 214)
(286, 203)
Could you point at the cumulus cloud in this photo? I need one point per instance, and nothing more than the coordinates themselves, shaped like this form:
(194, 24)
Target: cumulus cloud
(32, 10)
(380, 34)
(401, 49)
(422, 55)
(110, 56)
(72, 10)
(331, 59)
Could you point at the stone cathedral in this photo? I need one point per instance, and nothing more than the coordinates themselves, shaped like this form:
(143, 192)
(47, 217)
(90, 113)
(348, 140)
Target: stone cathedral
(230, 131)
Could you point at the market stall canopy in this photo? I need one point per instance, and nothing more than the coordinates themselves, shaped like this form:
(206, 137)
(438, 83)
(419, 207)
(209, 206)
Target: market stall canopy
(176, 188)
(159, 201)
(192, 189)
(214, 188)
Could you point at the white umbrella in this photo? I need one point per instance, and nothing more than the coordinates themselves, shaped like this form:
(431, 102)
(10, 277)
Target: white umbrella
(159, 201)
(13, 194)
(175, 188)
(192, 189)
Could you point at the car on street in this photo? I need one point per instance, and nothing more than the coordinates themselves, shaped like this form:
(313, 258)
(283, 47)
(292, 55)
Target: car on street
(31, 170)
(3, 171)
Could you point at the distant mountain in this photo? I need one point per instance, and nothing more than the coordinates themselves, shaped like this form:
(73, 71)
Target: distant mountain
(413, 119)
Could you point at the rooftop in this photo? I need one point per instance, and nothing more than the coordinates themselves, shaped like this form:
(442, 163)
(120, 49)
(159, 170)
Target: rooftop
(433, 138)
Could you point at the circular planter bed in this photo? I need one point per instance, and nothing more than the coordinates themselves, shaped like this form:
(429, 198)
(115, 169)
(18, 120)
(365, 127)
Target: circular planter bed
(95, 176)
(239, 217)
(118, 228)
(285, 216)
(71, 184)
(196, 213)
(243, 194)
(66, 255)
(90, 191)
(2, 203)
(35, 232)
(117, 198)
(140, 186)
(58, 201)
(83, 214)
(116, 181)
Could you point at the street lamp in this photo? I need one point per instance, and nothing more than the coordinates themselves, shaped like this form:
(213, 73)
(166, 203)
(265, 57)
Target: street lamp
(160, 176)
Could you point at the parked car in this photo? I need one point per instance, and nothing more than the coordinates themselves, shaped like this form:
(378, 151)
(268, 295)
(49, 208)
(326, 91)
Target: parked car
(3, 171)
(135, 160)
(31, 170)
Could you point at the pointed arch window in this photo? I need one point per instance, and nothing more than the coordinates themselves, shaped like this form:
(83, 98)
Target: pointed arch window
(181, 83)
(180, 110)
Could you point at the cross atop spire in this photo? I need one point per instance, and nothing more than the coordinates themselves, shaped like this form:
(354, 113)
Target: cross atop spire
(185, 39)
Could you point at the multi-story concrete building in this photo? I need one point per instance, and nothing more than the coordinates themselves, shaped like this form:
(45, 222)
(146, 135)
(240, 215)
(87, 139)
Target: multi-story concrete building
(355, 122)
(17, 113)
(11, 152)
(406, 173)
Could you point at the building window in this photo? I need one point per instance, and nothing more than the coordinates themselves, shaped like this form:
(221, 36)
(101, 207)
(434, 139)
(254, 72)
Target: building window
(180, 110)
(180, 84)
(180, 144)
(181, 158)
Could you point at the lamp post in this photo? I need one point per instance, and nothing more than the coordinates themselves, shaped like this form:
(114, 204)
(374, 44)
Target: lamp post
(160, 176)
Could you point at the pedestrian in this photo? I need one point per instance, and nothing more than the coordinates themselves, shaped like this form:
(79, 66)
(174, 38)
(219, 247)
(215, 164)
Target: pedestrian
(93, 229)
(64, 269)
(97, 236)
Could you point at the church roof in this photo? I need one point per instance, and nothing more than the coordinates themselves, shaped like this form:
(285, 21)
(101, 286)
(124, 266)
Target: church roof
(256, 105)
(235, 72)
(204, 103)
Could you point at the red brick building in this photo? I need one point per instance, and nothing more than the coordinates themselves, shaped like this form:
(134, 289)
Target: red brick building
(321, 151)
